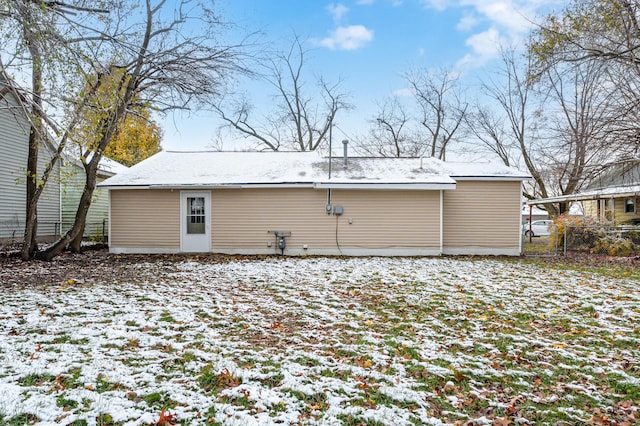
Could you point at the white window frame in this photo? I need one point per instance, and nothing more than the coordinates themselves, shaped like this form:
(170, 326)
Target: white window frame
(635, 205)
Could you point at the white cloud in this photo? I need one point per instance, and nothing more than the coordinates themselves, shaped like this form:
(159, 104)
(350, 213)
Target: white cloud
(504, 13)
(467, 22)
(504, 22)
(337, 11)
(405, 92)
(348, 38)
(485, 46)
(436, 4)
(516, 16)
(485, 43)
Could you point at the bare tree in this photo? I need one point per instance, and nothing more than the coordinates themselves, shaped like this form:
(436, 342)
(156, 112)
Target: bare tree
(442, 108)
(490, 130)
(391, 133)
(563, 144)
(514, 96)
(302, 117)
(580, 141)
(149, 61)
(602, 31)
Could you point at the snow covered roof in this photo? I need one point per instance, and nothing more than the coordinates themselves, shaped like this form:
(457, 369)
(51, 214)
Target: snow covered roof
(109, 165)
(106, 167)
(533, 211)
(611, 192)
(243, 169)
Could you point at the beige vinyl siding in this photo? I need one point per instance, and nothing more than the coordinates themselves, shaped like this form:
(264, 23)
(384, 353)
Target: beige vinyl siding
(145, 219)
(590, 209)
(389, 219)
(241, 219)
(620, 215)
(482, 215)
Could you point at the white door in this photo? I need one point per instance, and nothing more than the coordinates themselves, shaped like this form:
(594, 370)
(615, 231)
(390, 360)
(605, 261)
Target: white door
(195, 219)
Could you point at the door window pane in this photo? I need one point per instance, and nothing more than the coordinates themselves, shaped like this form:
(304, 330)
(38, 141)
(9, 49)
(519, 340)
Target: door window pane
(195, 215)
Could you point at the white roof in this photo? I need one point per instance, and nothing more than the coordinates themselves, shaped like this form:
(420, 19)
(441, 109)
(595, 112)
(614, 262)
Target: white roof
(611, 192)
(535, 211)
(213, 169)
(109, 165)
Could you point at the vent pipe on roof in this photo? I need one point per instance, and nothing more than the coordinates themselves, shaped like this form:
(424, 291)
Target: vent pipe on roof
(346, 157)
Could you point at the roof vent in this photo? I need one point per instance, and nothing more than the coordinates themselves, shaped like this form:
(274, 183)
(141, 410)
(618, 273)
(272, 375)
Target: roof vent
(346, 156)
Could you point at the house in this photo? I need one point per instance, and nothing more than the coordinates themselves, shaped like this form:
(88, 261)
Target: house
(531, 213)
(14, 149)
(612, 197)
(301, 203)
(72, 185)
(58, 203)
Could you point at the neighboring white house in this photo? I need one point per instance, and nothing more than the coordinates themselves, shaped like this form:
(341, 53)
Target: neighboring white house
(73, 181)
(59, 200)
(14, 150)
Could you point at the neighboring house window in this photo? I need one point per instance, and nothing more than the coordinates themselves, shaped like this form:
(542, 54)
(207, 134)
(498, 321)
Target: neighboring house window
(630, 205)
(606, 209)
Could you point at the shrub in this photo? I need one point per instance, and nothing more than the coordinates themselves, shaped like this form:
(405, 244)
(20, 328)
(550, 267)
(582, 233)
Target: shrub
(614, 245)
(585, 233)
(578, 228)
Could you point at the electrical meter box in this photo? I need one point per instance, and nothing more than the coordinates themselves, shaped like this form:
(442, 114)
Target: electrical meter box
(338, 210)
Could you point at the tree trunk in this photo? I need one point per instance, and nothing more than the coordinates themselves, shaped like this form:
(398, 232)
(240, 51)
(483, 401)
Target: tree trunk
(73, 237)
(29, 242)
(81, 217)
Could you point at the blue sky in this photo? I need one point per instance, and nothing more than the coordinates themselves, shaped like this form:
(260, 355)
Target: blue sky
(369, 44)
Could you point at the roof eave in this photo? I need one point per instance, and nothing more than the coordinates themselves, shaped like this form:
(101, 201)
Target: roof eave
(483, 177)
(583, 197)
(387, 186)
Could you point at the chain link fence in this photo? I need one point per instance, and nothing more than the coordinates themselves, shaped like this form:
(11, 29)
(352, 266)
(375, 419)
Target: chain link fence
(603, 240)
(594, 239)
(541, 245)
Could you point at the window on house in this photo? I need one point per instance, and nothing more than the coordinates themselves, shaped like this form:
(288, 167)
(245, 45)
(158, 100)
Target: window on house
(195, 215)
(606, 209)
(630, 205)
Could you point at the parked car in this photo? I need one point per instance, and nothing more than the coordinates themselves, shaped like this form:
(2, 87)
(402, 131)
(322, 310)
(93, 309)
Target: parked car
(537, 228)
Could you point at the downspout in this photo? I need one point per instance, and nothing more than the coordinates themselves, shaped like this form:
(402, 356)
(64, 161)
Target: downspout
(530, 220)
(109, 218)
(328, 206)
(441, 222)
(60, 198)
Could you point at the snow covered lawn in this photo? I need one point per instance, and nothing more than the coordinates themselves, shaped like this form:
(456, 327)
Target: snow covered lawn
(326, 341)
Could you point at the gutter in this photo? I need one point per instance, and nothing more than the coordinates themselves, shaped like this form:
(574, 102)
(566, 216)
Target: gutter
(386, 186)
(583, 197)
(503, 178)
